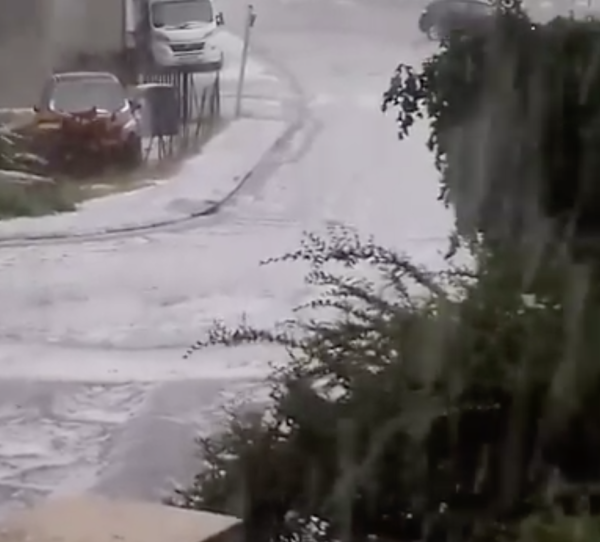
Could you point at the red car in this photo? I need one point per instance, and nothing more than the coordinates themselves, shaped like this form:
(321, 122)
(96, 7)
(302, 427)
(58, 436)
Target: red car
(91, 110)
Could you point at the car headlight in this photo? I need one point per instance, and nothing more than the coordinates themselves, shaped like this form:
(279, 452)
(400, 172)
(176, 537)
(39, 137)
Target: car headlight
(131, 124)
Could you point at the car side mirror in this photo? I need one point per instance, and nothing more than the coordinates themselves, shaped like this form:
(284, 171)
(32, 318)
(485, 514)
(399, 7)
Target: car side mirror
(219, 19)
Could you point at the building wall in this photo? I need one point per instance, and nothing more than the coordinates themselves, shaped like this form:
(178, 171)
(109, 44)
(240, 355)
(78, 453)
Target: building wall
(39, 36)
(23, 57)
(86, 26)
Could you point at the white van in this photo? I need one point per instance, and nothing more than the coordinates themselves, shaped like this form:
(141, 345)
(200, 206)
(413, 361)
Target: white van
(179, 31)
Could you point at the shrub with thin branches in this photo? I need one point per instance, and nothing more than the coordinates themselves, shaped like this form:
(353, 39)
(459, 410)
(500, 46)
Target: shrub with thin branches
(413, 413)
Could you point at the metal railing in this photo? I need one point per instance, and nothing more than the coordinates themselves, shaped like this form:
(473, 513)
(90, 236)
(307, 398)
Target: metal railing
(199, 108)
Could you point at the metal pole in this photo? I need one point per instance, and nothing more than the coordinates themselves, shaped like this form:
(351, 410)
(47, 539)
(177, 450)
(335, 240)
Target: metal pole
(250, 18)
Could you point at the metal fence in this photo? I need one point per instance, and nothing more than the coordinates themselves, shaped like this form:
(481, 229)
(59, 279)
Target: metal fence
(196, 98)
(199, 107)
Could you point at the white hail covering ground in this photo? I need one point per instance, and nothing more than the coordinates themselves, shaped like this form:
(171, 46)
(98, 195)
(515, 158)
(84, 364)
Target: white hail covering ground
(93, 390)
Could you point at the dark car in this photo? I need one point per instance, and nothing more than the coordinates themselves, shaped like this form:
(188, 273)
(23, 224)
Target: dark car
(442, 17)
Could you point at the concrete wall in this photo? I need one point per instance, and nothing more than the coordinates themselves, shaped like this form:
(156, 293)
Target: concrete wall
(23, 57)
(91, 26)
(37, 36)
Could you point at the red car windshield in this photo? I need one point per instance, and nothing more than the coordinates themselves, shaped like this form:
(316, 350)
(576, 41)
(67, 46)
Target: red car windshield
(77, 95)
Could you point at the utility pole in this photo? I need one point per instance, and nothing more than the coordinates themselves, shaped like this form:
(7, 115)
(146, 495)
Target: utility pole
(250, 19)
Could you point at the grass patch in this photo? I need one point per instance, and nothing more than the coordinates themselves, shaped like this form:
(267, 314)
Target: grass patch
(35, 199)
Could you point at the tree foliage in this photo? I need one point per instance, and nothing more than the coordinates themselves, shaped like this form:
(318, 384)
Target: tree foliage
(416, 413)
(515, 121)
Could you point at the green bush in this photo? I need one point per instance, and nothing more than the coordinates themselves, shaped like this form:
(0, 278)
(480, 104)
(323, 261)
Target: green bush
(22, 193)
(13, 152)
(417, 411)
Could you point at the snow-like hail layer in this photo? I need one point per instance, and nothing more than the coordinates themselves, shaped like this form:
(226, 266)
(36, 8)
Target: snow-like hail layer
(91, 334)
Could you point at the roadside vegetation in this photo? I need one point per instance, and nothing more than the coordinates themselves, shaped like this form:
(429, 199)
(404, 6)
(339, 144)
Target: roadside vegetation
(26, 189)
(22, 192)
(456, 405)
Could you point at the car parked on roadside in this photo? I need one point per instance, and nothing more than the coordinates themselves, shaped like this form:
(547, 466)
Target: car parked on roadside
(442, 17)
(89, 112)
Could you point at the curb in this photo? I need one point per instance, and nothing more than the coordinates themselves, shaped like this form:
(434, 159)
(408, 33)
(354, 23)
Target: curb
(294, 125)
(149, 227)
